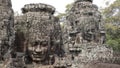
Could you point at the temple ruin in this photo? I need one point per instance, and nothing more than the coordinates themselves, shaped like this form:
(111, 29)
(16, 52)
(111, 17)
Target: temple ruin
(35, 38)
(85, 34)
(42, 41)
(6, 28)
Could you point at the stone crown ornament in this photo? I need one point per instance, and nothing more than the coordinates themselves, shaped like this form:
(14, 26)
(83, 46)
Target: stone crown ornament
(38, 7)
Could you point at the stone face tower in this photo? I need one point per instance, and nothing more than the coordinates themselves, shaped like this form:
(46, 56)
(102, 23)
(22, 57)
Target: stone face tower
(40, 26)
(39, 18)
(42, 34)
(86, 34)
(85, 18)
(6, 27)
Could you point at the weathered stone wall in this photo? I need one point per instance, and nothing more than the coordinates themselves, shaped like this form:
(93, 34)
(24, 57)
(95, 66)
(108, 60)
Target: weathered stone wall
(6, 26)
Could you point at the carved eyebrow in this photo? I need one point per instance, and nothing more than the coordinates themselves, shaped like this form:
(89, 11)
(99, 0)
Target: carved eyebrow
(44, 42)
(35, 43)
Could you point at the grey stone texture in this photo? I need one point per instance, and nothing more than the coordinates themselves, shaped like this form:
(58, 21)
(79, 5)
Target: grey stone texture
(6, 27)
(41, 29)
(85, 35)
(6, 30)
(35, 39)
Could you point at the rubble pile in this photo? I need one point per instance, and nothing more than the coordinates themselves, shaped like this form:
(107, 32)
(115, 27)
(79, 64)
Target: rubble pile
(16, 62)
(94, 53)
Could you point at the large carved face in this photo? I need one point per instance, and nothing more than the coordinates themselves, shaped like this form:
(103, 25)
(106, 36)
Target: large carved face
(39, 50)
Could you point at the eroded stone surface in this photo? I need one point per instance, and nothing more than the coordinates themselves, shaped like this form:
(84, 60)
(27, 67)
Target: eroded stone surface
(39, 40)
(85, 34)
(6, 27)
(6, 31)
(42, 34)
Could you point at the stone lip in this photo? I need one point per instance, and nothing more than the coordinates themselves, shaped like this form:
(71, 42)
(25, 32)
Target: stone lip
(38, 7)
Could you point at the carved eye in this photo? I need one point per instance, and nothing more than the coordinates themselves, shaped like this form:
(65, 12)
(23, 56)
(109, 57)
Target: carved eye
(76, 22)
(44, 43)
(36, 43)
(90, 13)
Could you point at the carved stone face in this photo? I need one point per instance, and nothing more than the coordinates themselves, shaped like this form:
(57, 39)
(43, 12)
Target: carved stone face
(39, 50)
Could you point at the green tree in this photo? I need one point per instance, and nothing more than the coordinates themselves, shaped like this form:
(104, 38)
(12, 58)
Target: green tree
(112, 13)
(111, 16)
(62, 16)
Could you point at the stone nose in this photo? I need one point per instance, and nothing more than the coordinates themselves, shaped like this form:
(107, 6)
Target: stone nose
(38, 49)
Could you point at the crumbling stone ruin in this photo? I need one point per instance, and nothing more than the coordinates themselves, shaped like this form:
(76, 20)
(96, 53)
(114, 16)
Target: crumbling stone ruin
(6, 28)
(35, 39)
(86, 34)
(38, 34)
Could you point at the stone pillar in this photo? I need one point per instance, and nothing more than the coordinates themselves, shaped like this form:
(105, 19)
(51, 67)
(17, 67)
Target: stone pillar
(6, 26)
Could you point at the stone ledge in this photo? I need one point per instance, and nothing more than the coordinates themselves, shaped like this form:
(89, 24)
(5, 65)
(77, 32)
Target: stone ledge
(38, 7)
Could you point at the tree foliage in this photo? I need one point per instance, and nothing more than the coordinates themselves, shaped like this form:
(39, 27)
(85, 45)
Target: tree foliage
(111, 16)
(112, 13)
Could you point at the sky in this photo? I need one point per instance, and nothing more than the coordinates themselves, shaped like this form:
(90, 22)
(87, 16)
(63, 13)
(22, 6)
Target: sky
(58, 4)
